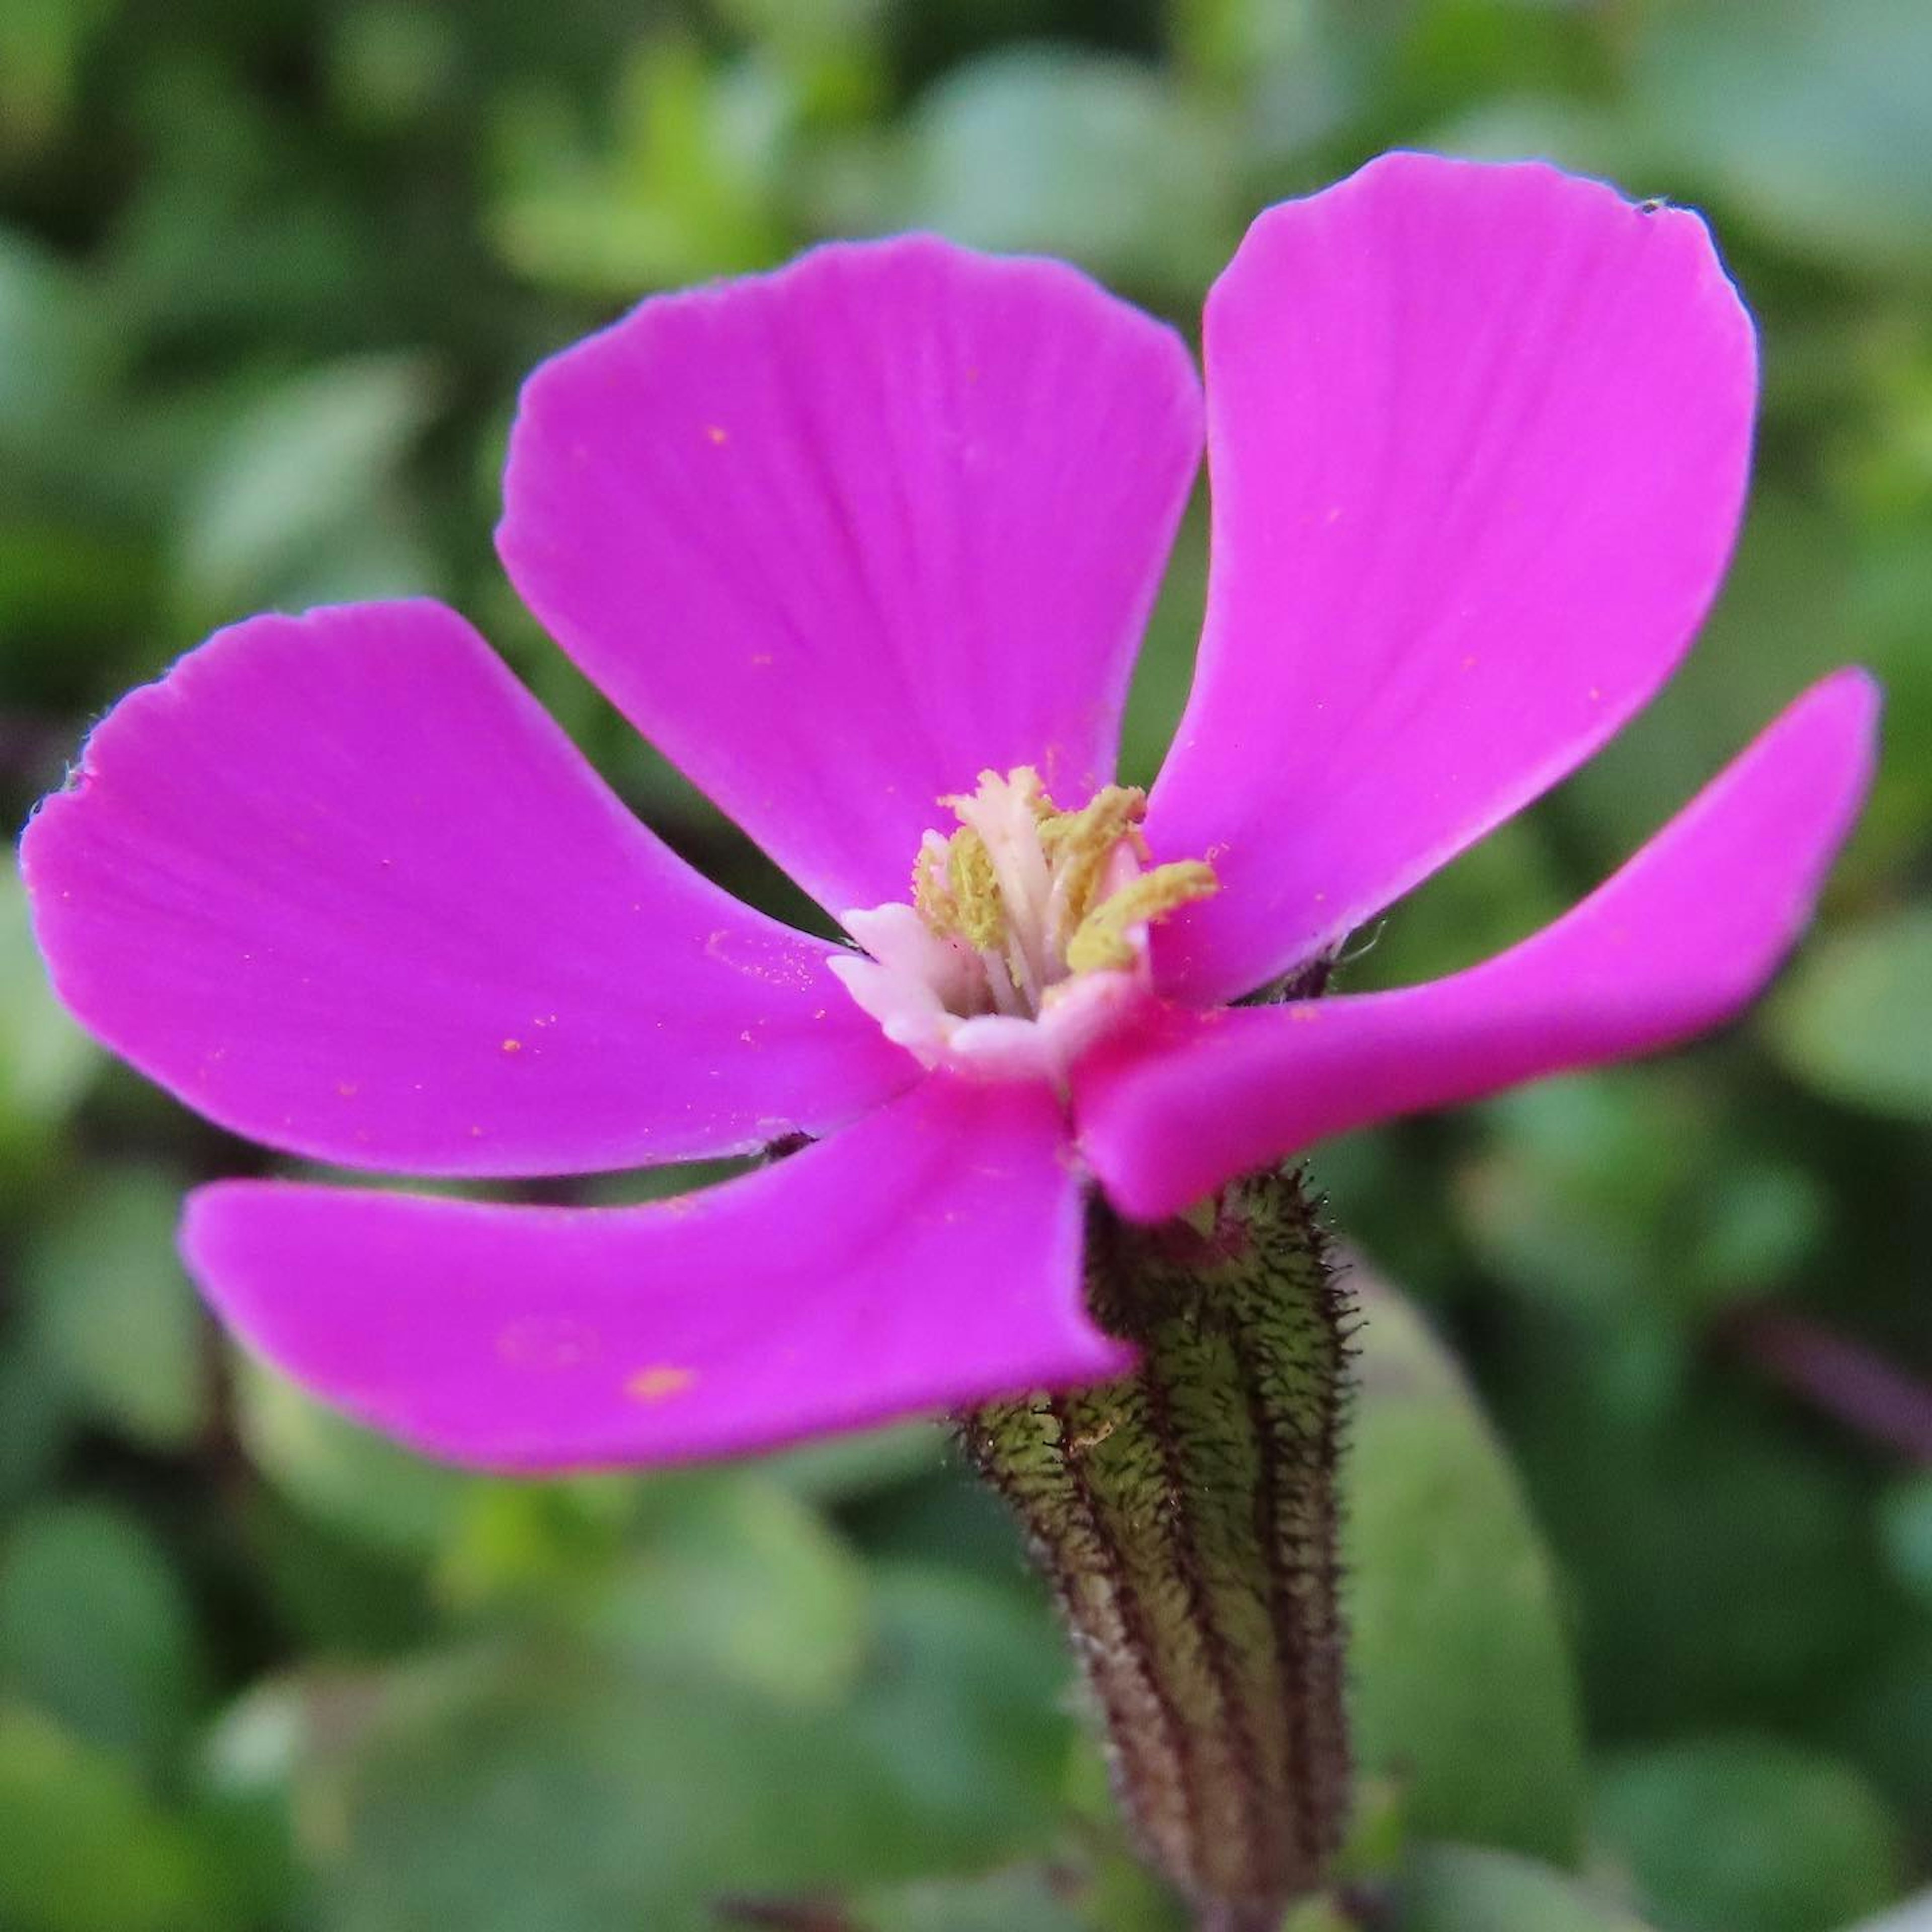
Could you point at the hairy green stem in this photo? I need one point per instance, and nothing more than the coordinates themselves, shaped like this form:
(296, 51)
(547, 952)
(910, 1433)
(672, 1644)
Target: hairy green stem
(1187, 1517)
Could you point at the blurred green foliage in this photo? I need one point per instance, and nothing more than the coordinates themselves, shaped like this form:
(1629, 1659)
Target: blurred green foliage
(269, 275)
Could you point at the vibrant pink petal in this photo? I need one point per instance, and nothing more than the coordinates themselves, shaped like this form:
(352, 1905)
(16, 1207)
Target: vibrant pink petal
(1679, 941)
(340, 883)
(1478, 437)
(838, 539)
(926, 1257)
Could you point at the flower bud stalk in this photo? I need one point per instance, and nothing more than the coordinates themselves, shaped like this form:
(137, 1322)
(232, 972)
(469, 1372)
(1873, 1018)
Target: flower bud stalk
(1187, 1517)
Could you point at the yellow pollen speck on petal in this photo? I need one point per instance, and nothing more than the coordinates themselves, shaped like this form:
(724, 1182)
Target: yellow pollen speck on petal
(716, 435)
(1100, 944)
(513, 1046)
(659, 1382)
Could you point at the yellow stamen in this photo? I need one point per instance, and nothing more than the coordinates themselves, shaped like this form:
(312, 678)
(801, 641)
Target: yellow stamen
(1100, 943)
(1040, 894)
(1081, 844)
(931, 898)
(978, 910)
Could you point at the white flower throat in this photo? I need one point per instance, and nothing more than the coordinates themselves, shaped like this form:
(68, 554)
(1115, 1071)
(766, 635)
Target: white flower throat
(1026, 938)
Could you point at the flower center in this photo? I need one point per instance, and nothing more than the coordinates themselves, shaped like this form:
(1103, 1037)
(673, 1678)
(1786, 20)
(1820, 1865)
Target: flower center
(1026, 937)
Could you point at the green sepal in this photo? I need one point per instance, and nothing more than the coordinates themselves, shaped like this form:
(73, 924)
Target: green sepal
(1187, 1516)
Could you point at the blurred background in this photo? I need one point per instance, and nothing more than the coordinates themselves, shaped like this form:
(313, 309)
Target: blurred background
(269, 275)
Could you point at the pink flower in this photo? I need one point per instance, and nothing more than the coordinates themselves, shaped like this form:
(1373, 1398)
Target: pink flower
(865, 546)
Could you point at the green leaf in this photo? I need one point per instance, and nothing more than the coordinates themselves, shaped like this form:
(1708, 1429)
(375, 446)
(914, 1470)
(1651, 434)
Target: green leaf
(390, 64)
(1905, 1530)
(551, 1791)
(1883, 1721)
(34, 1417)
(1464, 1691)
(966, 1698)
(347, 1476)
(42, 45)
(1740, 1834)
(1853, 1021)
(586, 1791)
(96, 1629)
(1780, 623)
(1671, 1516)
(827, 29)
(335, 1594)
(741, 1576)
(83, 1849)
(845, 1469)
(58, 350)
(1051, 152)
(58, 580)
(1914, 1916)
(243, 1777)
(1802, 113)
(1458, 1889)
(683, 192)
(1580, 1195)
(46, 1061)
(116, 1311)
(1164, 670)
(298, 503)
(1490, 899)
